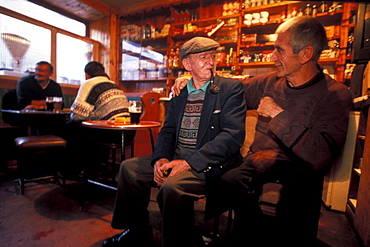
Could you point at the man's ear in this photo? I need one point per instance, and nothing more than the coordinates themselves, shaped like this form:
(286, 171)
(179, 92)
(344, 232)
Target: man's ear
(87, 76)
(306, 54)
(186, 63)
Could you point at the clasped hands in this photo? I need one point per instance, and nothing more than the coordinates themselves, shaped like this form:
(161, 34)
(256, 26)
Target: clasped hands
(163, 166)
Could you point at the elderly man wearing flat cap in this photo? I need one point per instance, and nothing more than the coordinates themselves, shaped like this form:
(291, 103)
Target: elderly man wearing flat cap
(199, 141)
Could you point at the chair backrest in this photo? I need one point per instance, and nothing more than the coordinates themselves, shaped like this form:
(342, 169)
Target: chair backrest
(10, 101)
(151, 107)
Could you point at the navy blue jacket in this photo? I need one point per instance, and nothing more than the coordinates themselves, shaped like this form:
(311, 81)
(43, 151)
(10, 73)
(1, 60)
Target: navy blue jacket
(221, 130)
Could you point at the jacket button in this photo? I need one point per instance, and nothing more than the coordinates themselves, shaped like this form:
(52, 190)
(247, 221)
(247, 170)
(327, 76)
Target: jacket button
(212, 127)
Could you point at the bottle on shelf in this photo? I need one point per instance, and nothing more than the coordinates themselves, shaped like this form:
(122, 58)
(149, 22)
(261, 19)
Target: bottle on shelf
(323, 7)
(308, 9)
(314, 11)
(350, 44)
(170, 58)
(186, 15)
(300, 12)
(176, 59)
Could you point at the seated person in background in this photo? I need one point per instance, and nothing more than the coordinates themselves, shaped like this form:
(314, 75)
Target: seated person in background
(200, 139)
(33, 89)
(301, 128)
(98, 98)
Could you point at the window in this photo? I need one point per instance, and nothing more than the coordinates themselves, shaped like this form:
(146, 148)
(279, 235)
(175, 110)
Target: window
(73, 55)
(25, 41)
(45, 15)
(22, 45)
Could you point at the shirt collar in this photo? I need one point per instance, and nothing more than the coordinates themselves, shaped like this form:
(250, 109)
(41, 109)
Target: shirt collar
(46, 85)
(192, 90)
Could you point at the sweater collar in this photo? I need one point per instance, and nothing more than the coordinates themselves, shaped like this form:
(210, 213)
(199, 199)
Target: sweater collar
(318, 77)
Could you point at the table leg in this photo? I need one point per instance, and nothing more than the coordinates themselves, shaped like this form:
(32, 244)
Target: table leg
(123, 145)
(151, 138)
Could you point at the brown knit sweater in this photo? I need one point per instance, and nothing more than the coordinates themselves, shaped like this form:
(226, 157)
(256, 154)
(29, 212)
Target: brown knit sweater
(311, 129)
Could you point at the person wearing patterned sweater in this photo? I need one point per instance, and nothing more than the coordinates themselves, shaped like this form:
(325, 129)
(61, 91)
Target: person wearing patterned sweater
(98, 97)
(200, 140)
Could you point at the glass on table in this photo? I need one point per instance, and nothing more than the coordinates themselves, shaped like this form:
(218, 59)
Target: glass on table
(54, 104)
(135, 110)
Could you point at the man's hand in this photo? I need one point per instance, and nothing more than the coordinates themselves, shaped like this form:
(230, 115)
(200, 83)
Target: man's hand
(37, 104)
(176, 166)
(268, 107)
(161, 167)
(180, 83)
(158, 173)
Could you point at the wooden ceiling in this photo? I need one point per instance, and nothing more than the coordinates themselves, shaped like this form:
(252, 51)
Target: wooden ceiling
(92, 10)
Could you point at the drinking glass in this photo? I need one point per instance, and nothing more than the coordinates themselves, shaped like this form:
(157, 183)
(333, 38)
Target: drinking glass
(135, 110)
(57, 103)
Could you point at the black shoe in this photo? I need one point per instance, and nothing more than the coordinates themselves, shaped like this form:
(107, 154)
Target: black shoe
(131, 237)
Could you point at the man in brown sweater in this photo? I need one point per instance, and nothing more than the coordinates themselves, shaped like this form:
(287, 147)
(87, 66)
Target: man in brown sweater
(301, 128)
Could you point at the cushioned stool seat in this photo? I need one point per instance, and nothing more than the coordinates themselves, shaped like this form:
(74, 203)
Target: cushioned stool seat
(38, 153)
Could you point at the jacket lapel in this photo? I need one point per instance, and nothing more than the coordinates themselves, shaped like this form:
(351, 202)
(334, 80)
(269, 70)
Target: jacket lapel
(180, 110)
(207, 111)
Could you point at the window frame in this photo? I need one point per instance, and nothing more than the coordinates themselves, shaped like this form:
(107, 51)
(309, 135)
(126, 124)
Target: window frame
(54, 30)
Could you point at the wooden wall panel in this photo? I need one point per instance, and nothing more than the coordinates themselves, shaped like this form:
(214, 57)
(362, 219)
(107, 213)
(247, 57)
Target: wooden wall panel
(106, 32)
(100, 31)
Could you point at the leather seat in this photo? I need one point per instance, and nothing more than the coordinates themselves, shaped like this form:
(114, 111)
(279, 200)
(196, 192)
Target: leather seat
(39, 142)
(39, 155)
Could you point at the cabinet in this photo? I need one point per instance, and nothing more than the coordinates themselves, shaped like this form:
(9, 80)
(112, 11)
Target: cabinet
(359, 194)
(362, 41)
(336, 182)
(244, 30)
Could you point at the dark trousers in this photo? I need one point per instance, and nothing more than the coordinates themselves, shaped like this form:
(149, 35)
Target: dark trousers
(298, 210)
(175, 200)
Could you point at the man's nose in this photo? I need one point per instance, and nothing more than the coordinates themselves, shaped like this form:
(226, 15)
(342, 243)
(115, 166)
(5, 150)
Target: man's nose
(211, 60)
(273, 56)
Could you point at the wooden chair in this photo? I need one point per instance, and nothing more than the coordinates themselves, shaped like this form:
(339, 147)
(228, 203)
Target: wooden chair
(151, 109)
(270, 193)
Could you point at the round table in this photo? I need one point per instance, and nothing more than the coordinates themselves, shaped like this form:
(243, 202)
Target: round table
(37, 120)
(111, 125)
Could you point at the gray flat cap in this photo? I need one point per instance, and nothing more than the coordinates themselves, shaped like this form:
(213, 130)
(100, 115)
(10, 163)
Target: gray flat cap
(197, 45)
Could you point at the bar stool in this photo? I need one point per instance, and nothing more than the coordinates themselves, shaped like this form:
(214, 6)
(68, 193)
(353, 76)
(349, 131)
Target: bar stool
(39, 153)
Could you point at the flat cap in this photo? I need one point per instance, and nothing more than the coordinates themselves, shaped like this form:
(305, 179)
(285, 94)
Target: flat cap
(197, 45)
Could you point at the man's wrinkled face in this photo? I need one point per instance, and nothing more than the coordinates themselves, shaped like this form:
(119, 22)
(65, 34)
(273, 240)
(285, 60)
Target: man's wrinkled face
(201, 63)
(286, 62)
(42, 72)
